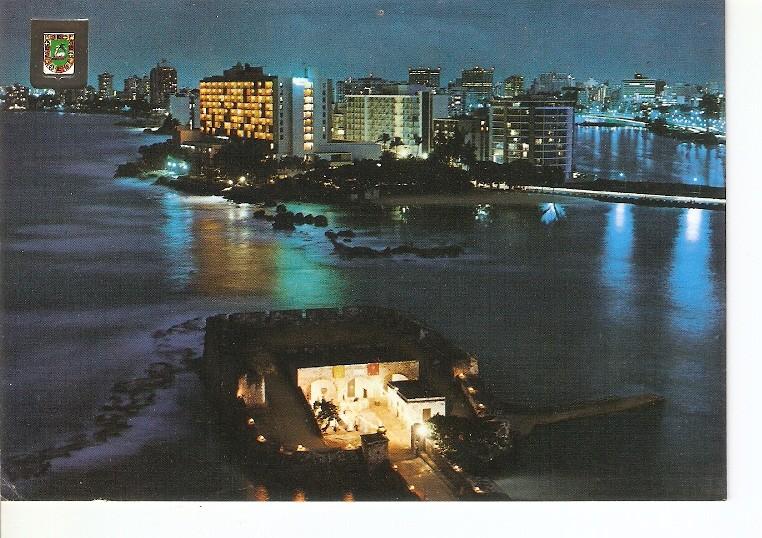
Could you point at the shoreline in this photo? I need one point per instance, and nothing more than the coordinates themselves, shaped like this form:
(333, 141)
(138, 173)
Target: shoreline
(475, 198)
(525, 198)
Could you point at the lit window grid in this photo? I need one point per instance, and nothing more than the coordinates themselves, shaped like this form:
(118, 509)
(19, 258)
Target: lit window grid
(242, 109)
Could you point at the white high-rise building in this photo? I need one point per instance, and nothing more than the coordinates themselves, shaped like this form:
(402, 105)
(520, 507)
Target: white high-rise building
(401, 121)
(296, 116)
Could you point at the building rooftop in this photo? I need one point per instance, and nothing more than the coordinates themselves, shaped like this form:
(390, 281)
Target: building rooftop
(333, 355)
(415, 390)
(373, 438)
(240, 73)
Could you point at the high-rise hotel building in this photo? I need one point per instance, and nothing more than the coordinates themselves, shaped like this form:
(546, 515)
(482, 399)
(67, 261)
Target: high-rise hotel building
(297, 116)
(396, 113)
(242, 103)
(163, 80)
(639, 88)
(537, 128)
(513, 86)
(477, 87)
(424, 76)
(106, 85)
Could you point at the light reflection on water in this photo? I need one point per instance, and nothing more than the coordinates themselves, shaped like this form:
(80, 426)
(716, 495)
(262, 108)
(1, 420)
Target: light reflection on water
(636, 154)
(177, 230)
(690, 280)
(220, 250)
(522, 290)
(228, 263)
(551, 212)
(616, 264)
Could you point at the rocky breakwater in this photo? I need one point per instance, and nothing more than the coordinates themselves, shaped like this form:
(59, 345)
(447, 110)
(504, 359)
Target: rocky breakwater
(340, 238)
(287, 220)
(127, 399)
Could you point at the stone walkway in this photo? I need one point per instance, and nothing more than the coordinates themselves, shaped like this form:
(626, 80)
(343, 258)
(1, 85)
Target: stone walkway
(287, 418)
(428, 483)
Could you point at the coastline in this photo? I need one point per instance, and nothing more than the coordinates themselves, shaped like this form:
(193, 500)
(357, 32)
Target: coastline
(481, 197)
(165, 451)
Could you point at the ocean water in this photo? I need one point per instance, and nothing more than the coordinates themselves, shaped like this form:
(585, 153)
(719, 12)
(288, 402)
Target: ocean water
(636, 154)
(578, 302)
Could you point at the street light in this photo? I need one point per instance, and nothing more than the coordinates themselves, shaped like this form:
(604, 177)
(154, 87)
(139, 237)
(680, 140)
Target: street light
(422, 430)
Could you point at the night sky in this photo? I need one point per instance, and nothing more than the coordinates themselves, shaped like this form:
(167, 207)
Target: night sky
(677, 40)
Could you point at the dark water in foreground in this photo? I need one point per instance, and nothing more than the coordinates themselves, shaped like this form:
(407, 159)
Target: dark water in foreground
(612, 300)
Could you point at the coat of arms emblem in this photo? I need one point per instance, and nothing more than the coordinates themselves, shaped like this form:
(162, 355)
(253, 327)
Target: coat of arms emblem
(58, 54)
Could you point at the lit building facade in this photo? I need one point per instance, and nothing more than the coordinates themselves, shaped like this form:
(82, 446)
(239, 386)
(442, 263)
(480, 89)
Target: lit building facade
(106, 85)
(455, 104)
(144, 89)
(16, 97)
(296, 117)
(407, 117)
(475, 131)
(369, 85)
(539, 129)
(476, 84)
(424, 76)
(137, 87)
(163, 80)
(131, 85)
(552, 83)
(414, 402)
(324, 129)
(513, 86)
(338, 124)
(72, 96)
(639, 88)
(240, 104)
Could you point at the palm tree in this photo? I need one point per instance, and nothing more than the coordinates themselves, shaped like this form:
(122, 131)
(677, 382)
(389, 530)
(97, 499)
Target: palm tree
(397, 142)
(418, 141)
(327, 413)
(385, 138)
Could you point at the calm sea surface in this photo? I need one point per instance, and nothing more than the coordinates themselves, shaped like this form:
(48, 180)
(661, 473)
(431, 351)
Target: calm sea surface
(613, 299)
(635, 154)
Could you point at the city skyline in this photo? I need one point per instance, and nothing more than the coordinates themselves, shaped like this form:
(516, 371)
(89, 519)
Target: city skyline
(588, 39)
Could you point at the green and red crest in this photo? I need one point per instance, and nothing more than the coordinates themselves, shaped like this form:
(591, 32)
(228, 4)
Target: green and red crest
(58, 54)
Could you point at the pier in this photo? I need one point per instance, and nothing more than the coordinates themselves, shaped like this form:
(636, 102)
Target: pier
(523, 424)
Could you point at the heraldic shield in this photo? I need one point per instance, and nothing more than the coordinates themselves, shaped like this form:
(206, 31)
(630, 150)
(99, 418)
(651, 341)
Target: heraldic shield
(58, 54)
